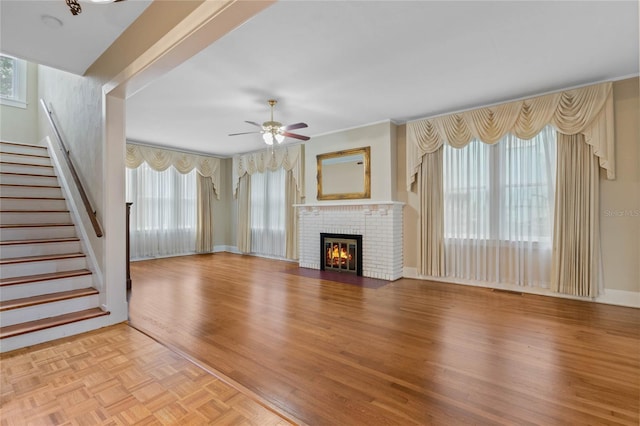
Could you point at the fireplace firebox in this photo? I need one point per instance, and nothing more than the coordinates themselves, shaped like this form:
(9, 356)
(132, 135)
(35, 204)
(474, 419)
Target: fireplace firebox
(341, 253)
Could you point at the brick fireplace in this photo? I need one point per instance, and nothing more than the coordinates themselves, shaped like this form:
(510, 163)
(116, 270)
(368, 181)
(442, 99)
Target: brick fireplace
(378, 223)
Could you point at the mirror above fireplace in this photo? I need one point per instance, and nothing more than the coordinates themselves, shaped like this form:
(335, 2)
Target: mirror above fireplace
(344, 175)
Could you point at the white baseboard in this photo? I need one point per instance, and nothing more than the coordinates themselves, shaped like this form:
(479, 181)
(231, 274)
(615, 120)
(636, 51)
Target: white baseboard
(610, 296)
(229, 249)
(620, 297)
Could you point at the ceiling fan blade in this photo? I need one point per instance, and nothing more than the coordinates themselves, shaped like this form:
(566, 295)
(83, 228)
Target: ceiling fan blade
(254, 123)
(295, 136)
(295, 126)
(243, 133)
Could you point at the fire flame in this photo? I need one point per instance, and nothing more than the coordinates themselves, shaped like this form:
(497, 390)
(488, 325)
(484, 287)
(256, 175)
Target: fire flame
(337, 255)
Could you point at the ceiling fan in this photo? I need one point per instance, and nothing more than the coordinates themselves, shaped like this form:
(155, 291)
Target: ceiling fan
(274, 131)
(75, 8)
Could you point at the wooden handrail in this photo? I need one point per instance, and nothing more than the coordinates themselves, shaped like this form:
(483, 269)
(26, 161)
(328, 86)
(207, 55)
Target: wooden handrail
(76, 179)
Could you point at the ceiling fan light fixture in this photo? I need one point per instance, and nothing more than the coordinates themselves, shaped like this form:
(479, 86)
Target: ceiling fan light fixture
(268, 138)
(272, 136)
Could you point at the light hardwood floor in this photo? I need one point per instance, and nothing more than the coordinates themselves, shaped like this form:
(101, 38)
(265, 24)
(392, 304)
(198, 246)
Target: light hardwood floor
(410, 352)
(117, 376)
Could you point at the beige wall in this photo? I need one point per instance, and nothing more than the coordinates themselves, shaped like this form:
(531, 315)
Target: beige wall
(620, 198)
(222, 214)
(21, 124)
(410, 198)
(380, 137)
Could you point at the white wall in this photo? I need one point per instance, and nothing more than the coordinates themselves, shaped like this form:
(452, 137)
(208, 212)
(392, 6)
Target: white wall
(380, 137)
(21, 124)
(76, 103)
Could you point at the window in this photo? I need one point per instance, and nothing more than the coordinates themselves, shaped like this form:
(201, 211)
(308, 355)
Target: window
(503, 191)
(163, 214)
(13, 81)
(498, 209)
(268, 228)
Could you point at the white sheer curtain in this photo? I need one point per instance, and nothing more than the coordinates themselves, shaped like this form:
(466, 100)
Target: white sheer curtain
(163, 214)
(498, 209)
(268, 213)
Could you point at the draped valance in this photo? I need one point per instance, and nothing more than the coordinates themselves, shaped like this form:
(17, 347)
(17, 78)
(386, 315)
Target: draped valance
(161, 159)
(587, 110)
(288, 157)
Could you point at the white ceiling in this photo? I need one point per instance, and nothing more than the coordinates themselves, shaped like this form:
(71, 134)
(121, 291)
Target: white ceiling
(338, 65)
(343, 64)
(47, 33)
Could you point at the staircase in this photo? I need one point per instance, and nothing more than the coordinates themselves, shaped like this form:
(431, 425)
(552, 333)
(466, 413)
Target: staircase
(46, 290)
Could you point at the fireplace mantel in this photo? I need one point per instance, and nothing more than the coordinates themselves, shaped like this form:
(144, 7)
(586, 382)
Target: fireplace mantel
(379, 223)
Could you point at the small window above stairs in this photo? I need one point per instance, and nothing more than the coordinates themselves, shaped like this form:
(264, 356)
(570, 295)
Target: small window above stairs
(46, 288)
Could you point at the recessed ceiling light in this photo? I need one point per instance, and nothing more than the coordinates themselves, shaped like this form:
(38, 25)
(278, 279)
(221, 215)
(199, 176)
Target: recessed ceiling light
(51, 21)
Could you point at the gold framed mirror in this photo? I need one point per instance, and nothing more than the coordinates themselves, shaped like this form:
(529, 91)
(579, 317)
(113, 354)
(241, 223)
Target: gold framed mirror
(344, 175)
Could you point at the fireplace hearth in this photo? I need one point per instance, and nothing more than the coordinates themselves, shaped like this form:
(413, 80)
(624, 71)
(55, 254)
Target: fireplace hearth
(341, 253)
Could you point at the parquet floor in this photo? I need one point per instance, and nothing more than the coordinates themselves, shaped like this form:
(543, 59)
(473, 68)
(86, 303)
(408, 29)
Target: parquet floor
(410, 352)
(117, 376)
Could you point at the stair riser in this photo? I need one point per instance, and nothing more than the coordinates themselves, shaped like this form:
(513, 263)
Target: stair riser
(46, 310)
(34, 217)
(9, 179)
(25, 159)
(30, 191)
(32, 204)
(30, 339)
(38, 249)
(22, 149)
(40, 233)
(42, 267)
(32, 170)
(19, 291)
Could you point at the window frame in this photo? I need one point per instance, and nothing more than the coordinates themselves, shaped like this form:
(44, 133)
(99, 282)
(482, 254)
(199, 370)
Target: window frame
(19, 99)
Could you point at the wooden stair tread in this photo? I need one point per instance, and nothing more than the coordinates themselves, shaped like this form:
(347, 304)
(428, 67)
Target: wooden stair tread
(34, 211)
(33, 225)
(26, 174)
(13, 163)
(40, 241)
(26, 145)
(43, 277)
(24, 154)
(31, 198)
(40, 258)
(28, 186)
(46, 298)
(31, 326)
